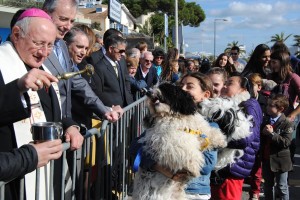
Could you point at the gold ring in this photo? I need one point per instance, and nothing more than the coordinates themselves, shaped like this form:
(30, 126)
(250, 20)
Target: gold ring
(38, 82)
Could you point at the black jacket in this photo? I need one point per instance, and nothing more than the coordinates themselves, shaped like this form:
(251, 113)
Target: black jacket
(11, 167)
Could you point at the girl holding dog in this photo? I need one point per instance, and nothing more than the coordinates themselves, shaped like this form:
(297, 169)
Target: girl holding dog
(200, 87)
(231, 176)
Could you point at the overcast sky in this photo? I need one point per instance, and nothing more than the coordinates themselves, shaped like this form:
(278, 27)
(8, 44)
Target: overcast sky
(250, 22)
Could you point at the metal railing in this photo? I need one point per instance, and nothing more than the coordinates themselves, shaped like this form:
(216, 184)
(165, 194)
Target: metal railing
(100, 172)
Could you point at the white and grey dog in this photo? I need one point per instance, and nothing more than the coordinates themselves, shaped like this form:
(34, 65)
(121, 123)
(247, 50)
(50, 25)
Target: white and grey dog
(175, 138)
(232, 120)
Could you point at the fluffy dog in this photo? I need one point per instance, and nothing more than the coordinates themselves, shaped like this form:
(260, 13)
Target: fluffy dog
(232, 120)
(175, 138)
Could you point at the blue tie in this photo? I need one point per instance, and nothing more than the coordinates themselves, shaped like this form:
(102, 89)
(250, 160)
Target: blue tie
(60, 56)
(272, 121)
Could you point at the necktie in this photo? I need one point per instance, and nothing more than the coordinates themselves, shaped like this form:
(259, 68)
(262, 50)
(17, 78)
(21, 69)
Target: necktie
(60, 56)
(115, 65)
(272, 121)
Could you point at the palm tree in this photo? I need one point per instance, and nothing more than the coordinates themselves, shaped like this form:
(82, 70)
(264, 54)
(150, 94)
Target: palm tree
(232, 44)
(297, 43)
(279, 37)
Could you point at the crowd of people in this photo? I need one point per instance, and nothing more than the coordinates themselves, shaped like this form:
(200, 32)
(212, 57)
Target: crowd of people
(44, 44)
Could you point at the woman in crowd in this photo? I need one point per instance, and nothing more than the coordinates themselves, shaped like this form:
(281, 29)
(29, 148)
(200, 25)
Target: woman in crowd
(159, 56)
(289, 85)
(218, 76)
(224, 61)
(258, 62)
(200, 87)
(172, 55)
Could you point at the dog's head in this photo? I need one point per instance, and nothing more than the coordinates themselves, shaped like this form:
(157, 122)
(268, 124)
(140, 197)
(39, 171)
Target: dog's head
(168, 99)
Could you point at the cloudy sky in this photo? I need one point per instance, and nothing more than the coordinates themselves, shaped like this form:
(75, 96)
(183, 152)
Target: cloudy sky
(248, 22)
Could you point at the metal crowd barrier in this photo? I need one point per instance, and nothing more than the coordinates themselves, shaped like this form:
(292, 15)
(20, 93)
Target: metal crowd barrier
(101, 169)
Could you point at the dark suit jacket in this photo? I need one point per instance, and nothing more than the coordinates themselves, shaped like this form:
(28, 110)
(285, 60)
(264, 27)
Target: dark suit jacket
(12, 110)
(95, 57)
(151, 78)
(112, 90)
(280, 159)
(79, 86)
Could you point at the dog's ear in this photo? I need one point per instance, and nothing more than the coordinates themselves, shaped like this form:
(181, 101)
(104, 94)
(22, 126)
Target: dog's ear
(179, 100)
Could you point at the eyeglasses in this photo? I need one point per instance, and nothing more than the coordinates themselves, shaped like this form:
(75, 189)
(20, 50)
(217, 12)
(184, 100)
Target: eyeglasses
(233, 54)
(43, 45)
(148, 60)
(159, 57)
(39, 45)
(119, 50)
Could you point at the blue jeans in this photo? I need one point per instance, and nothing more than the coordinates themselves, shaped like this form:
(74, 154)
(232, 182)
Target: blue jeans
(270, 177)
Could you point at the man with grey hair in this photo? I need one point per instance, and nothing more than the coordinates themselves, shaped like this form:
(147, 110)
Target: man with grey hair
(63, 13)
(133, 53)
(146, 71)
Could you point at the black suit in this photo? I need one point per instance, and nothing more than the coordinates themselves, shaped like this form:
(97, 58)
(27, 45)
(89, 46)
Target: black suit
(110, 88)
(95, 57)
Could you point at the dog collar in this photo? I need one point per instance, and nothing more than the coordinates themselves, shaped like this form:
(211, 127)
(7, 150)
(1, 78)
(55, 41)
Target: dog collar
(202, 135)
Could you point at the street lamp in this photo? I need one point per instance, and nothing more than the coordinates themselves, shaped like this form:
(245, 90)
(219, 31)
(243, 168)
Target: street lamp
(215, 24)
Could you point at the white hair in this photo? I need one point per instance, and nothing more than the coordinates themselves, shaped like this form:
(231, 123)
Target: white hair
(23, 24)
(149, 53)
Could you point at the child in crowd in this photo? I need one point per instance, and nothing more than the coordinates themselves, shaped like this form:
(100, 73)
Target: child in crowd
(218, 76)
(255, 178)
(277, 135)
(135, 85)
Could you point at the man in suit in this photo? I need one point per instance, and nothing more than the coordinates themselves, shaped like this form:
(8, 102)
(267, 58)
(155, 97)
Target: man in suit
(109, 81)
(146, 71)
(63, 14)
(32, 40)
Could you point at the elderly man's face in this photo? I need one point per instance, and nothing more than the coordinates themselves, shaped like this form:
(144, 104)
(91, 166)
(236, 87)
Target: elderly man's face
(63, 17)
(146, 62)
(34, 47)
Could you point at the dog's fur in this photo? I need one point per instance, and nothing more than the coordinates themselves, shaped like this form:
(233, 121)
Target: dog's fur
(232, 120)
(172, 110)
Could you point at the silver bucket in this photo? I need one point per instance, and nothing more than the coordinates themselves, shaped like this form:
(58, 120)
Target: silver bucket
(45, 131)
